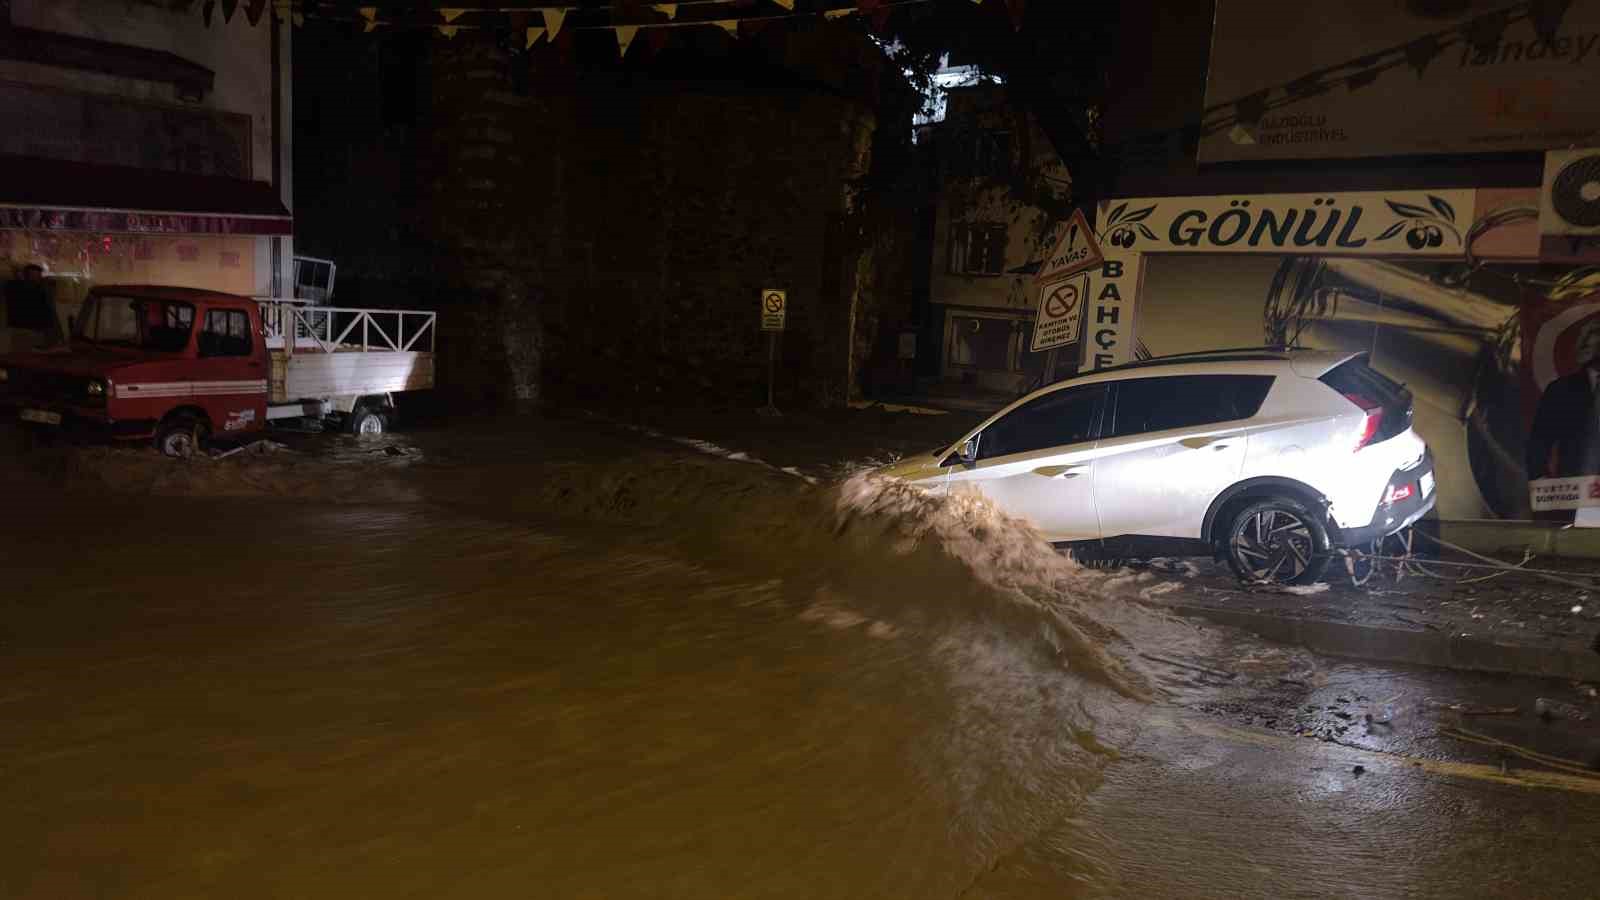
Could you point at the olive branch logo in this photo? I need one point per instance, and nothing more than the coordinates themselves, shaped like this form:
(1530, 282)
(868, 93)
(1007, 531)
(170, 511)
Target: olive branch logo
(1123, 227)
(1423, 226)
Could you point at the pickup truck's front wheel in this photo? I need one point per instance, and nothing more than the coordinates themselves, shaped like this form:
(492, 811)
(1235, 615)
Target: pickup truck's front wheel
(180, 436)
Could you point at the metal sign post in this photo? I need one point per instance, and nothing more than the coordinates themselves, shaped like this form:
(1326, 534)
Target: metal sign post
(774, 315)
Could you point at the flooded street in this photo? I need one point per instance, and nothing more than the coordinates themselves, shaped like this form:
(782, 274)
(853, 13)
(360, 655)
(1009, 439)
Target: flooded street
(653, 673)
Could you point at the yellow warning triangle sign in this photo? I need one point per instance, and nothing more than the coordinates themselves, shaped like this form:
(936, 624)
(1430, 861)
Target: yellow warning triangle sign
(1076, 251)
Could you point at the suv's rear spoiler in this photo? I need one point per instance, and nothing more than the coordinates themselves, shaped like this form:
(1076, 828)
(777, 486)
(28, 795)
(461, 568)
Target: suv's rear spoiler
(1317, 363)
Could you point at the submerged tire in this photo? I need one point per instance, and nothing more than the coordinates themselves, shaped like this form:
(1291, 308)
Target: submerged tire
(366, 421)
(180, 436)
(1278, 541)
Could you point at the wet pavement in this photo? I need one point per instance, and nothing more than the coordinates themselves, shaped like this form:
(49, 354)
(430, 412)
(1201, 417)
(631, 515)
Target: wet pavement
(579, 662)
(1507, 608)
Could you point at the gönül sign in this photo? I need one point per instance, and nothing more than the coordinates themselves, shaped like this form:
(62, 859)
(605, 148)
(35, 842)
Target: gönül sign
(1379, 223)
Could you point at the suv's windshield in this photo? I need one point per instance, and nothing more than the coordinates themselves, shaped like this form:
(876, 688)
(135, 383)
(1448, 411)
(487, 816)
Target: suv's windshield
(159, 325)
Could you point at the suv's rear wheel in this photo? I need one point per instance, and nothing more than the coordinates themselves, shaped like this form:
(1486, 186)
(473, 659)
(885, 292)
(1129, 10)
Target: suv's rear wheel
(1276, 540)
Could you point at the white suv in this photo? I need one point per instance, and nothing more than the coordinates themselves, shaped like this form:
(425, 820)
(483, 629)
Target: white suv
(1271, 459)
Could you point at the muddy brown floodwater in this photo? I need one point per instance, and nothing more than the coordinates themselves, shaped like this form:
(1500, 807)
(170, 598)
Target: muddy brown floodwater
(718, 681)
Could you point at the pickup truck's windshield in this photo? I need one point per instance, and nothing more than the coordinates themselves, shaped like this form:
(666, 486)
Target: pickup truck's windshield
(159, 325)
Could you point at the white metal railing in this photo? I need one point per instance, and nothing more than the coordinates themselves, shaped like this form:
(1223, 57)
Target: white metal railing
(297, 325)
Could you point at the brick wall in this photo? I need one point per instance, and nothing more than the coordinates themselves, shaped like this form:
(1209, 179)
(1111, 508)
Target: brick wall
(598, 235)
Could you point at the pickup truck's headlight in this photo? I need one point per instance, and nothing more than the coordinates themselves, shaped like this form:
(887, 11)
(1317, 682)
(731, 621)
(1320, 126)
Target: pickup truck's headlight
(96, 388)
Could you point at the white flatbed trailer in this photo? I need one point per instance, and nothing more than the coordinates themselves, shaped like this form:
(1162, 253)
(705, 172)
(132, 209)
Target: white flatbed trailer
(328, 360)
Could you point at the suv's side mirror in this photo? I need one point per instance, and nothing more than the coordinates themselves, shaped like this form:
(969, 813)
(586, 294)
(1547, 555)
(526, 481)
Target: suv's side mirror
(968, 451)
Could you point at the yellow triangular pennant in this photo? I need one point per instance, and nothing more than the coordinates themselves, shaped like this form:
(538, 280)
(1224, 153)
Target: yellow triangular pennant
(533, 37)
(448, 31)
(625, 35)
(838, 13)
(370, 13)
(786, 4)
(731, 26)
(369, 27)
(670, 10)
(450, 15)
(553, 19)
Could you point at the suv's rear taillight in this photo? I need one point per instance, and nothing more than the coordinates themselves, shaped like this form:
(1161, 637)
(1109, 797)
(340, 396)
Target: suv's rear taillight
(1386, 402)
(1374, 420)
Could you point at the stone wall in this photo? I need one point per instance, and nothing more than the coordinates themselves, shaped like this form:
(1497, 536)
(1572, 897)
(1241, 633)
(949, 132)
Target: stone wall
(597, 236)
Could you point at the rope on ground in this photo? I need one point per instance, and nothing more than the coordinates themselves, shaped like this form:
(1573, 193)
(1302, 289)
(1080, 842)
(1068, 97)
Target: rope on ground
(1569, 766)
(1527, 557)
(1408, 563)
(1503, 567)
(1547, 574)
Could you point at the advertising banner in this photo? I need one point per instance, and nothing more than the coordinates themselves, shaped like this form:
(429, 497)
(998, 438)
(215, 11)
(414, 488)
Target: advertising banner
(1383, 77)
(1561, 371)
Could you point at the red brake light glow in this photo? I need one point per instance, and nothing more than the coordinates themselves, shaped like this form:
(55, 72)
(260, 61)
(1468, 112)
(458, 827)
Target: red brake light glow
(1374, 411)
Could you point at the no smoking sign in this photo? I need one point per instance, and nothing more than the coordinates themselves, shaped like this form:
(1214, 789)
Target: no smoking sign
(1060, 312)
(774, 309)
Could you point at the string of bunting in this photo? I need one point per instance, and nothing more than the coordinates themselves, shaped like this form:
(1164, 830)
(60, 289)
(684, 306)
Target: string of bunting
(554, 18)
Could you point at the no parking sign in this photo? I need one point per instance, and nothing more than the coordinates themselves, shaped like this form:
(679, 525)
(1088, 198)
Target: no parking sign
(1060, 311)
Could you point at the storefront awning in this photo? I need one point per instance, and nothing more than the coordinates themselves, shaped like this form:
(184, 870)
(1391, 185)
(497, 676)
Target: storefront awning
(60, 195)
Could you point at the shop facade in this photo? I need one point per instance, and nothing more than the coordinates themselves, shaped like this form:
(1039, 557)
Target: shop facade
(1341, 195)
(152, 148)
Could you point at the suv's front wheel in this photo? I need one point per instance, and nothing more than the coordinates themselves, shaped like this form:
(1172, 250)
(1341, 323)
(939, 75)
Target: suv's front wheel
(1276, 540)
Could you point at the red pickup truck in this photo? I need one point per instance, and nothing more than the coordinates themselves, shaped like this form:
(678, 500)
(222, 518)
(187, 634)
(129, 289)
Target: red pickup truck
(180, 365)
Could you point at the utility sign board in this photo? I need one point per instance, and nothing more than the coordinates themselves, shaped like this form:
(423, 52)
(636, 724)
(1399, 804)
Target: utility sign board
(774, 309)
(1077, 251)
(1061, 305)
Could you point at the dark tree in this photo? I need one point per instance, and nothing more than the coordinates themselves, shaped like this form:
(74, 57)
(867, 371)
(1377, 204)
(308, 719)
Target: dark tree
(1051, 56)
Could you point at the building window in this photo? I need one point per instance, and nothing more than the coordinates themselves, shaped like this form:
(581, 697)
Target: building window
(977, 248)
(982, 154)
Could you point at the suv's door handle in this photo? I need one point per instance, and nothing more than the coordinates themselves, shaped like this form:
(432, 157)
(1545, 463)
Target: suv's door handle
(1059, 471)
(1195, 443)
